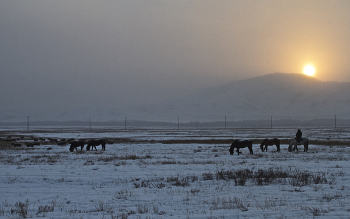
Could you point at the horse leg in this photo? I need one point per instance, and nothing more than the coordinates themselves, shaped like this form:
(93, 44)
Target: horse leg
(296, 147)
(238, 151)
(278, 147)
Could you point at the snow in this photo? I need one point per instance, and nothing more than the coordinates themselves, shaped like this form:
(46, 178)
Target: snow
(154, 180)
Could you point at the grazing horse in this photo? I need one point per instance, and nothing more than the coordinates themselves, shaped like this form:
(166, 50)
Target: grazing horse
(295, 143)
(268, 142)
(241, 144)
(96, 142)
(76, 144)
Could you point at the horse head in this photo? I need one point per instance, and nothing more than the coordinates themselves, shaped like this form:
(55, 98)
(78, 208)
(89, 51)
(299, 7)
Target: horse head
(262, 146)
(71, 148)
(232, 148)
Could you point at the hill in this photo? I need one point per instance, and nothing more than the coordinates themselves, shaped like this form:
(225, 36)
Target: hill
(284, 96)
(281, 95)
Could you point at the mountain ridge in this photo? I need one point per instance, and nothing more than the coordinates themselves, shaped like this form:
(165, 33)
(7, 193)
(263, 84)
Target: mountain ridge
(282, 95)
(285, 95)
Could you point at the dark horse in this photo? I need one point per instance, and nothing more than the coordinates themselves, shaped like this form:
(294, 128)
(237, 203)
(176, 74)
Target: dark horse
(76, 144)
(268, 142)
(96, 142)
(241, 144)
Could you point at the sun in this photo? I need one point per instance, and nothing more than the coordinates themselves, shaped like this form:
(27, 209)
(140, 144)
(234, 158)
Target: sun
(309, 69)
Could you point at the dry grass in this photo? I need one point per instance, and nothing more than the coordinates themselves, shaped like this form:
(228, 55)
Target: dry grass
(268, 176)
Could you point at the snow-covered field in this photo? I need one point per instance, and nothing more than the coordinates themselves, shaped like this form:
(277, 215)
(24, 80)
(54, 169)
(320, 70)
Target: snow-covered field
(147, 175)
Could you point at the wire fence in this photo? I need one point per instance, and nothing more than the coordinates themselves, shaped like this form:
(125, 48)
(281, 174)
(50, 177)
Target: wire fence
(334, 121)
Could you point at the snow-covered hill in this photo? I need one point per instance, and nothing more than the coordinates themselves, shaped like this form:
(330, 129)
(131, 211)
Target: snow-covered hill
(281, 95)
(284, 96)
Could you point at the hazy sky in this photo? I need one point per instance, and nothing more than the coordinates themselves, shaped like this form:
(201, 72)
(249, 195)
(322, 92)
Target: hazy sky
(52, 53)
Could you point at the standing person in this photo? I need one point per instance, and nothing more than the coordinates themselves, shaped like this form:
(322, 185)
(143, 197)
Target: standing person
(298, 135)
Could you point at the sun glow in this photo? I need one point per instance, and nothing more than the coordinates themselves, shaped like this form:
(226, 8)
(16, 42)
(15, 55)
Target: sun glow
(309, 69)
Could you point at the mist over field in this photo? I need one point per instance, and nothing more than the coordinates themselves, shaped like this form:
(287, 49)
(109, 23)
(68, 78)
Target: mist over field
(154, 60)
(290, 99)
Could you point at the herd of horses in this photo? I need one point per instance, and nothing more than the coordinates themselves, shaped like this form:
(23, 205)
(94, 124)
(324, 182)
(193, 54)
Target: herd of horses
(293, 145)
(237, 144)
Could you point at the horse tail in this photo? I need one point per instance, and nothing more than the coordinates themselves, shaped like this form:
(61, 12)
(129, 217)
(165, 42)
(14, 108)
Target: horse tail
(250, 147)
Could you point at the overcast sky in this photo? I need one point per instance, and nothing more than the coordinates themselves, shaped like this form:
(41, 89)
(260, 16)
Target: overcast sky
(52, 53)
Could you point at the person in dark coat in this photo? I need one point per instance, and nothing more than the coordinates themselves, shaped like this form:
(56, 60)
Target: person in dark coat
(298, 135)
